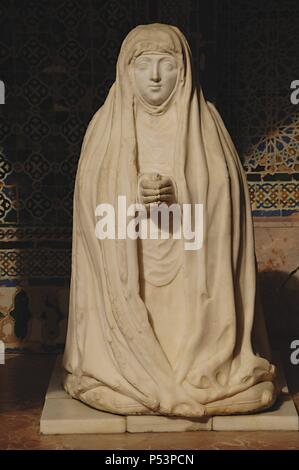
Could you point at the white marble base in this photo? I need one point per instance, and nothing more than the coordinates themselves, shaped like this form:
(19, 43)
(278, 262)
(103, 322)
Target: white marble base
(282, 417)
(166, 424)
(64, 415)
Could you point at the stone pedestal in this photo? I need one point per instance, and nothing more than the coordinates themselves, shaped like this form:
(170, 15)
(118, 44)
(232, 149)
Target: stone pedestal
(64, 415)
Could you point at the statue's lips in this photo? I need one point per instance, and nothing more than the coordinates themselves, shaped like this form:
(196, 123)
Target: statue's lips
(155, 87)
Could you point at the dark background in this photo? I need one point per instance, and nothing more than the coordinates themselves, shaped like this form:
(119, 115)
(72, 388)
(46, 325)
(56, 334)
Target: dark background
(57, 61)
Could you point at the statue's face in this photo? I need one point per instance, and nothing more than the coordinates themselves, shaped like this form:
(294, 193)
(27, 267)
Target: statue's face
(155, 76)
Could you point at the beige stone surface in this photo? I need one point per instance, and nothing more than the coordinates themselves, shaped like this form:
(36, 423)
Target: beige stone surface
(167, 424)
(276, 244)
(7, 295)
(62, 416)
(276, 241)
(282, 417)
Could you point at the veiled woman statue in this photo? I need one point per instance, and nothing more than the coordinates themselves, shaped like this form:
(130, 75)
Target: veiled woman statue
(155, 328)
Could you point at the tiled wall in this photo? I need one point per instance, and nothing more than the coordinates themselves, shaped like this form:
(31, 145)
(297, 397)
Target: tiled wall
(258, 51)
(57, 60)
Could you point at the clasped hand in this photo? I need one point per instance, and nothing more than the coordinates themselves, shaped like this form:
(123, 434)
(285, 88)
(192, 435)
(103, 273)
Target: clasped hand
(156, 189)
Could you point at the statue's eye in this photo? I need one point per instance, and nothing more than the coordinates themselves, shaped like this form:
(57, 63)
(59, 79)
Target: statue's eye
(142, 65)
(168, 65)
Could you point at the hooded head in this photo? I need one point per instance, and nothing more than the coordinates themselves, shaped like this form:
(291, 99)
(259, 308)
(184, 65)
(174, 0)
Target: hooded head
(154, 66)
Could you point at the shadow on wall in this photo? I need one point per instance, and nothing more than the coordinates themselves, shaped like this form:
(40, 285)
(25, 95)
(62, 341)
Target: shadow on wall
(280, 299)
(24, 382)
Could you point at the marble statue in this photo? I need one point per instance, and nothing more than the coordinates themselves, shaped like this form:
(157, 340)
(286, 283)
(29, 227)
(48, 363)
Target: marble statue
(155, 328)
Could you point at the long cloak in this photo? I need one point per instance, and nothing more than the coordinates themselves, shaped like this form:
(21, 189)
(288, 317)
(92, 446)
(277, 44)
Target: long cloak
(113, 359)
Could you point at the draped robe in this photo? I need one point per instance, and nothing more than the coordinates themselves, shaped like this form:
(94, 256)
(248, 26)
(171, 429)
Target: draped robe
(120, 355)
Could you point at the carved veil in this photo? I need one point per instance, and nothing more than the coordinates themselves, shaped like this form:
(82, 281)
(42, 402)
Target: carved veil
(113, 359)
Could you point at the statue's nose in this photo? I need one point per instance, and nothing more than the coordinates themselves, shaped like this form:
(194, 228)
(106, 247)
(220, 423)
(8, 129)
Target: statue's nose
(155, 75)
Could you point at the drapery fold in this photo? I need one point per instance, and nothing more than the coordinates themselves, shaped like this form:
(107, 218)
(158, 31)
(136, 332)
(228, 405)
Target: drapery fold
(113, 359)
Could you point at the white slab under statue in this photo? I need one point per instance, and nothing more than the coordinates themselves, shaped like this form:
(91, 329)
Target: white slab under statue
(64, 415)
(166, 326)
